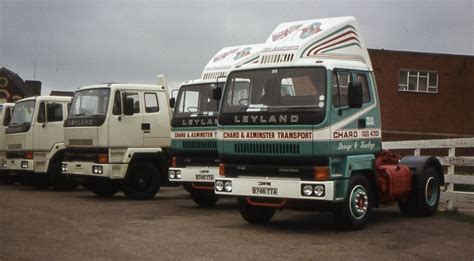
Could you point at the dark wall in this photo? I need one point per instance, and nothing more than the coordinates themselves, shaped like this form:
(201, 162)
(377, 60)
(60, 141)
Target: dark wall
(35, 86)
(411, 115)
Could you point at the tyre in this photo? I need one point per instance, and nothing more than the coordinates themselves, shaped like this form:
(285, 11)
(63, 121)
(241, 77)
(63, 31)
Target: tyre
(142, 181)
(42, 181)
(353, 212)
(188, 187)
(255, 214)
(425, 197)
(204, 198)
(102, 189)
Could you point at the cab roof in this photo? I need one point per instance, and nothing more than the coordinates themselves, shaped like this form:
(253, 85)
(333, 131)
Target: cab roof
(47, 98)
(126, 86)
(230, 57)
(332, 42)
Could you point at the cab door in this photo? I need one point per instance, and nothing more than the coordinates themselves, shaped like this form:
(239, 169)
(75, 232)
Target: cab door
(353, 130)
(48, 128)
(156, 120)
(125, 130)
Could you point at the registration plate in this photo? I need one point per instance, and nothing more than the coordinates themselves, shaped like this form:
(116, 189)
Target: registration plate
(204, 177)
(264, 191)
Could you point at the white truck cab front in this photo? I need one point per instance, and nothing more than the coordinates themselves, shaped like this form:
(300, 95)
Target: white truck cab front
(34, 141)
(117, 138)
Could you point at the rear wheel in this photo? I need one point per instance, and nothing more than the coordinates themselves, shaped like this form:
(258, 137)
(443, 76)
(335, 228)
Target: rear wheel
(425, 199)
(255, 214)
(142, 181)
(353, 212)
(204, 198)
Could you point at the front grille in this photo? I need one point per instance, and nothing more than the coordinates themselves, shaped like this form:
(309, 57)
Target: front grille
(80, 142)
(14, 146)
(214, 75)
(267, 148)
(200, 144)
(85, 155)
(277, 58)
(15, 154)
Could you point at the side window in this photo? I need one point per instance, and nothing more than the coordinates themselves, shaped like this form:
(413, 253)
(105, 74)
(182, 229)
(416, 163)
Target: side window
(41, 113)
(340, 88)
(151, 102)
(7, 118)
(136, 101)
(54, 112)
(362, 78)
(117, 109)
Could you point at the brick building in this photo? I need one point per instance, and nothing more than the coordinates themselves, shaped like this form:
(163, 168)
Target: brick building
(424, 95)
(13, 87)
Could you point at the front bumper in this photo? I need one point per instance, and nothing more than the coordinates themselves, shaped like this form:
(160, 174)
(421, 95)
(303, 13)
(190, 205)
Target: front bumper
(193, 174)
(91, 169)
(20, 164)
(275, 188)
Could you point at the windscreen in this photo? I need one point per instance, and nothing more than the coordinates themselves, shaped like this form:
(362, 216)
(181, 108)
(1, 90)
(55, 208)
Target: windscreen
(196, 100)
(23, 113)
(90, 103)
(299, 92)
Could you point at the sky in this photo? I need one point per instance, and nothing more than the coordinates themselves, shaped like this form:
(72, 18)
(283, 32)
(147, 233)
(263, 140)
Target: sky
(78, 43)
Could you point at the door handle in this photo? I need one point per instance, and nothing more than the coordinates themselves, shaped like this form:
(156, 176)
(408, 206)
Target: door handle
(146, 126)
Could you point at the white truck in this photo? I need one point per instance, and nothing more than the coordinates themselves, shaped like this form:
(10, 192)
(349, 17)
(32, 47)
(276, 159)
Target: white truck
(117, 137)
(5, 117)
(34, 142)
(195, 162)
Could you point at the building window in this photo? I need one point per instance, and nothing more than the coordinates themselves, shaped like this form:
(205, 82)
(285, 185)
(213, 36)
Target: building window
(418, 81)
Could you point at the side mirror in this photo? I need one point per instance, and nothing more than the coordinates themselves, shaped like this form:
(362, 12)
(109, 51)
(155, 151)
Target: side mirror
(128, 106)
(217, 93)
(355, 95)
(172, 102)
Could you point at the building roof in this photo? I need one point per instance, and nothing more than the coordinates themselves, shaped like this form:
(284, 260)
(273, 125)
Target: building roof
(15, 78)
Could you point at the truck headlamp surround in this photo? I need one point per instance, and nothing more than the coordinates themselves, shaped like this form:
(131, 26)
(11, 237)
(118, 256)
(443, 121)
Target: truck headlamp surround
(24, 164)
(172, 174)
(219, 185)
(96, 169)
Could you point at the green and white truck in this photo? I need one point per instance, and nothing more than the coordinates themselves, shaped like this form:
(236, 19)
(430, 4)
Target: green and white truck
(307, 134)
(193, 137)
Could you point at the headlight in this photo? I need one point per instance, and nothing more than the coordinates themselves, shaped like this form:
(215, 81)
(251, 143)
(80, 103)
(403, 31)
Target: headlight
(219, 185)
(24, 164)
(172, 174)
(308, 190)
(178, 174)
(97, 169)
(64, 168)
(228, 186)
(319, 190)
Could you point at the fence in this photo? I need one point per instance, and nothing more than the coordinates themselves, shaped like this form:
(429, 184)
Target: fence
(454, 199)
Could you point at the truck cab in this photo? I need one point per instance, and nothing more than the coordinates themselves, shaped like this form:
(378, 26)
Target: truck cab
(34, 141)
(307, 134)
(5, 117)
(117, 137)
(194, 126)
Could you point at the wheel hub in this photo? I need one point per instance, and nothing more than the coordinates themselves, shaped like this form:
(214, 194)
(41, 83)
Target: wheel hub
(359, 202)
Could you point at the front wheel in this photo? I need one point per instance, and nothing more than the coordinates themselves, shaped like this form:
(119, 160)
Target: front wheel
(142, 181)
(255, 214)
(425, 199)
(353, 212)
(204, 198)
